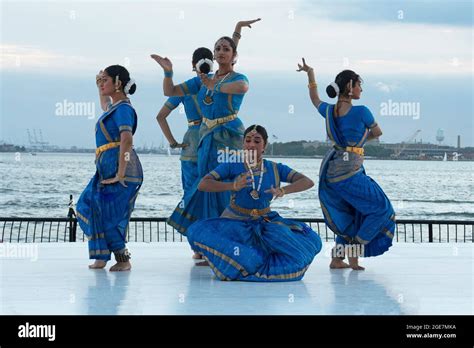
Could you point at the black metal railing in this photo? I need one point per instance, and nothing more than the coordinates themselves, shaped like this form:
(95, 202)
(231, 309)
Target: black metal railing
(37, 230)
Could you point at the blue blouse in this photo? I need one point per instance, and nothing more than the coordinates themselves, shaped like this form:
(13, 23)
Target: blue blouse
(223, 104)
(190, 103)
(273, 174)
(114, 121)
(352, 125)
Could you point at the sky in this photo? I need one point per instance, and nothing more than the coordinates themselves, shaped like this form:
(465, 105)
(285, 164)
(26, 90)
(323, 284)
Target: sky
(415, 58)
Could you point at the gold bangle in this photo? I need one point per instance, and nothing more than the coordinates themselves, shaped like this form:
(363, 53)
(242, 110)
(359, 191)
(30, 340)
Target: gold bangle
(233, 185)
(312, 85)
(283, 191)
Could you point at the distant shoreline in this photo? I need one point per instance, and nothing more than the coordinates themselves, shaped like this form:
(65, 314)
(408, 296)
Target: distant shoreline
(91, 151)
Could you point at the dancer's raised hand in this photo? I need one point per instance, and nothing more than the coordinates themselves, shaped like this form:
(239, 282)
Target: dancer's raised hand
(304, 67)
(165, 63)
(249, 23)
(99, 77)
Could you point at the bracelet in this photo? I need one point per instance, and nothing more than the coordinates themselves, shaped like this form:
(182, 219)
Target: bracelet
(174, 145)
(282, 190)
(234, 185)
(312, 85)
(237, 35)
(169, 73)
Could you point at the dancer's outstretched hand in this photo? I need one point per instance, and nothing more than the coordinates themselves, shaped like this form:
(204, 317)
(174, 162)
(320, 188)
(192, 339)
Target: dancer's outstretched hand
(304, 67)
(165, 63)
(249, 23)
(276, 192)
(243, 180)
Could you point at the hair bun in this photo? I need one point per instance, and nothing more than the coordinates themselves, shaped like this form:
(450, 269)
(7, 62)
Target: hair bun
(204, 65)
(130, 87)
(332, 90)
(133, 88)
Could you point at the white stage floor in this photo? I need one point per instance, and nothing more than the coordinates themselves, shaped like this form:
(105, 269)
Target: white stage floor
(53, 278)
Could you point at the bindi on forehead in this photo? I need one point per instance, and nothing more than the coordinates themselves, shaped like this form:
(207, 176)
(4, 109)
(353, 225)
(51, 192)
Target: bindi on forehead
(222, 43)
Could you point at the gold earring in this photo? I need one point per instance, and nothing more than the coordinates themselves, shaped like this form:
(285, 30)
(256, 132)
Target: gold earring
(117, 88)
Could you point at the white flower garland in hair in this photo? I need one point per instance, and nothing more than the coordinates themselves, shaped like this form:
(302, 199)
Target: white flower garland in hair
(129, 85)
(336, 87)
(202, 61)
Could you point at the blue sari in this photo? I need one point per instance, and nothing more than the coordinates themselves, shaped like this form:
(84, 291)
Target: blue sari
(355, 207)
(189, 155)
(250, 242)
(104, 211)
(214, 137)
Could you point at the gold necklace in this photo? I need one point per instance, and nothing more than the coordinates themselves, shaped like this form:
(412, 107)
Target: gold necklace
(208, 99)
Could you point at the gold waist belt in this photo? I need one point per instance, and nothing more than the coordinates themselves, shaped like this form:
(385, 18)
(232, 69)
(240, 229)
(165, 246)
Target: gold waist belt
(251, 212)
(194, 123)
(357, 150)
(105, 147)
(212, 123)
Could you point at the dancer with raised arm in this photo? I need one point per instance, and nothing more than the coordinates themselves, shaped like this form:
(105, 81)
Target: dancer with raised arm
(105, 206)
(354, 206)
(202, 64)
(250, 241)
(220, 96)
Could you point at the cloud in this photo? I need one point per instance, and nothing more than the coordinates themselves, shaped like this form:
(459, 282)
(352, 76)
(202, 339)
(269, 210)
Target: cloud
(433, 12)
(386, 88)
(16, 57)
(100, 34)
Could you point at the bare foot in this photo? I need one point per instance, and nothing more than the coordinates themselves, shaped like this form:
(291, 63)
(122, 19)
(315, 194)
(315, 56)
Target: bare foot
(197, 256)
(354, 264)
(338, 263)
(98, 264)
(202, 263)
(121, 266)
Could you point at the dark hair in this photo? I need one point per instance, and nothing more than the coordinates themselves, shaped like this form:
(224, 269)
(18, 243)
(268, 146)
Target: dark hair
(123, 75)
(202, 53)
(260, 130)
(342, 79)
(230, 41)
